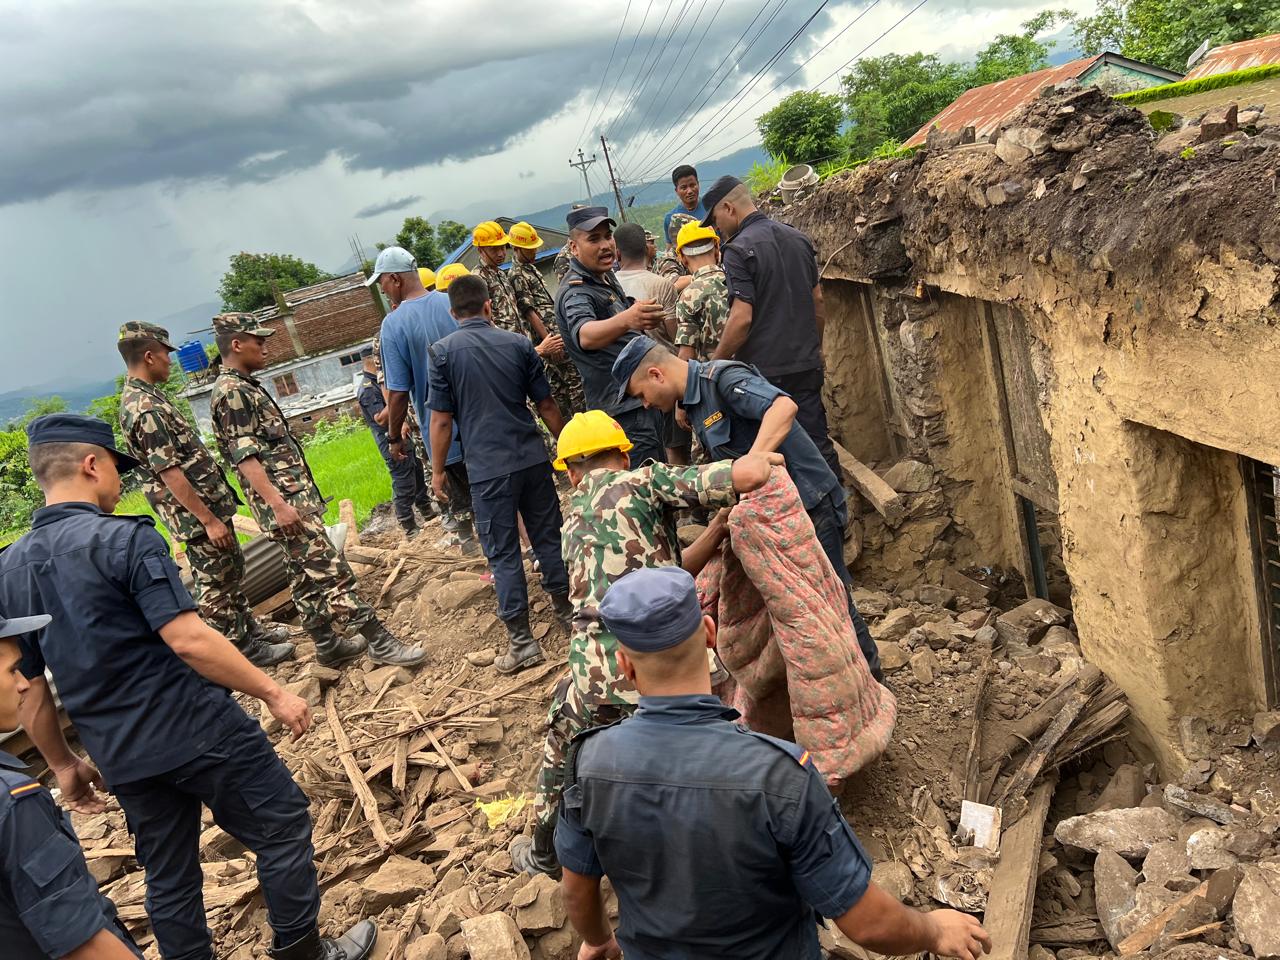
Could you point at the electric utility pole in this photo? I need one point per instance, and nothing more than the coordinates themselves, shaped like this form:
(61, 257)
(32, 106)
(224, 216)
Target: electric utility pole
(581, 166)
(617, 194)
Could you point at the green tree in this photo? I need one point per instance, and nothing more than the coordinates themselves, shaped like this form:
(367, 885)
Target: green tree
(803, 128)
(38, 407)
(450, 234)
(19, 495)
(419, 238)
(1013, 54)
(893, 96)
(247, 283)
(1167, 32)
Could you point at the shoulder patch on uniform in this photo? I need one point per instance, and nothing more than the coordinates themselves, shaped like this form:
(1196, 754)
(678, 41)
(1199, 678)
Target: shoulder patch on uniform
(714, 418)
(575, 283)
(24, 789)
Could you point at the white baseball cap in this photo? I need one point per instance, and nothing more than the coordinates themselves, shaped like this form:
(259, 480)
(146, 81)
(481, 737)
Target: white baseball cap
(392, 260)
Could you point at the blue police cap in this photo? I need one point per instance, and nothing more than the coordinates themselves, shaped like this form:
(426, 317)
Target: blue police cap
(653, 609)
(20, 625)
(587, 219)
(77, 428)
(628, 362)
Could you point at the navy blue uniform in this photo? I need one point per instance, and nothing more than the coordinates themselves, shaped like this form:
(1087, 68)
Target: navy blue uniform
(720, 842)
(483, 377)
(408, 481)
(725, 401)
(165, 739)
(49, 902)
(582, 298)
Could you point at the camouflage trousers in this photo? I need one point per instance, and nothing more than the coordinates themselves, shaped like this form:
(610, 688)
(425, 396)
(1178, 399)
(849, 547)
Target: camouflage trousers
(568, 716)
(566, 386)
(324, 586)
(218, 575)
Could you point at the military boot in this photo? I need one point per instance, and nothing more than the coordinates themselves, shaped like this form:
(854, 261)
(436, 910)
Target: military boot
(467, 541)
(356, 944)
(410, 528)
(263, 654)
(536, 854)
(427, 509)
(384, 648)
(522, 649)
(333, 650)
(275, 633)
(563, 610)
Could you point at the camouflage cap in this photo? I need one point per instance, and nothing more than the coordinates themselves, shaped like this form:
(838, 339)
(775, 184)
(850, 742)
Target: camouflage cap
(240, 323)
(137, 330)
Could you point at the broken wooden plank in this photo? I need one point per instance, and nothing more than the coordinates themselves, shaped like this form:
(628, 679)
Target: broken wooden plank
(1025, 731)
(1198, 931)
(391, 579)
(371, 556)
(1068, 932)
(1150, 932)
(354, 774)
(400, 765)
(1031, 768)
(347, 515)
(1013, 884)
(972, 773)
(458, 775)
(886, 501)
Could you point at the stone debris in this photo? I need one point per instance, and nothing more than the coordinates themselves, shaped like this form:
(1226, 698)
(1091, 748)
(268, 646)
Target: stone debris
(494, 936)
(1256, 909)
(1027, 623)
(1129, 832)
(1115, 886)
(539, 905)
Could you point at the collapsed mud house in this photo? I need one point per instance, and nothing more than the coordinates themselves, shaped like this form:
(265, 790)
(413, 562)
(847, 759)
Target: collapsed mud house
(1070, 334)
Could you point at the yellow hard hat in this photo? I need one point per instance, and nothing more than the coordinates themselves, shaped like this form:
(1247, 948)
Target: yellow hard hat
(524, 235)
(587, 434)
(694, 232)
(428, 276)
(449, 273)
(489, 234)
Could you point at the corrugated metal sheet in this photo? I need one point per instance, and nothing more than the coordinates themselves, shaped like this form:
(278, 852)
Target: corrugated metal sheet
(984, 107)
(1238, 56)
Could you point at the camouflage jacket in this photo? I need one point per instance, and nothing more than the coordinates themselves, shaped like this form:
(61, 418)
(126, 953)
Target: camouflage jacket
(506, 315)
(532, 294)
(247, 422)
(617, 522)
(560, 266)
(159, 437)
(668, 265)
(703, 311)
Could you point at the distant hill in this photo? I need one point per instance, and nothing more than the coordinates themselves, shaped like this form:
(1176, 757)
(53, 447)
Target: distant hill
(14, 403)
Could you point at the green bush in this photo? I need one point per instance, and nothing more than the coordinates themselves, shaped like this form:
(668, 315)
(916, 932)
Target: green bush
(803, 128)
(19, 495)
(327, 430)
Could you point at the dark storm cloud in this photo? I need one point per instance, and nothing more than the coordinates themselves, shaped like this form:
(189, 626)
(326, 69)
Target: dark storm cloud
(238, 91)
(399, 203)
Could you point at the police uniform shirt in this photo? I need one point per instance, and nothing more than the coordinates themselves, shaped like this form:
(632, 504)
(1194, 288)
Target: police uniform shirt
(49, 902)
(369, 396)
(720, 842)
(726, 415)
(110, 585)
(582, 298)
(483, 375)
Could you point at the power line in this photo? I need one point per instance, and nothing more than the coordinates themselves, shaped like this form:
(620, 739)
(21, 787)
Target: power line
(625, 63)
(684, 111)
(605, 76)
(644, 72)
(724, 109)
(629, 112)
(844, 66)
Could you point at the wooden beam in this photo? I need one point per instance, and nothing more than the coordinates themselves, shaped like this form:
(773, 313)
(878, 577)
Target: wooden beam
(1149, 933)
(887, 501)
(1013, 885)
(354, 773)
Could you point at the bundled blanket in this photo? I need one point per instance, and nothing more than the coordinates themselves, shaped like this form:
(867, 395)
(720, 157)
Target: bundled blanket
(786, 637)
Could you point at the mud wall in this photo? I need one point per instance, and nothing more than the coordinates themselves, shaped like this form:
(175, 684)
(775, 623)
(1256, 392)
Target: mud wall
(1147, 281)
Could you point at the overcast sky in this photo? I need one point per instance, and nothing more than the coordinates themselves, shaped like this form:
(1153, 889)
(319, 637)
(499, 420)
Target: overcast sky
(145, 142)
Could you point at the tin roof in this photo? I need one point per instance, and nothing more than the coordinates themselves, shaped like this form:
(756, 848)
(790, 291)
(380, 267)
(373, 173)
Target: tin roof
(984, 108)
(1237, 56)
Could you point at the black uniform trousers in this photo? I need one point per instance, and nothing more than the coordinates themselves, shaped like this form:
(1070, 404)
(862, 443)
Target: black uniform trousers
(829, 519)
(408, 481)
(646, 429)
(805, 388)
(254, 799)
(498, 505)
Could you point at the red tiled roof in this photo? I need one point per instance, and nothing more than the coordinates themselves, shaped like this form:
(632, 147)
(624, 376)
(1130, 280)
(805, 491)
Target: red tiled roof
(984, 107)
(1237, 56)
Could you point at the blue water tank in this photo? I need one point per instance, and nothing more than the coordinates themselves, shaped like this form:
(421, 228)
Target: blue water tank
(192, 358)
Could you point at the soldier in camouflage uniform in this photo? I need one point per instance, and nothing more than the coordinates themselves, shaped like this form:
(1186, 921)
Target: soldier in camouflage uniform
(253, 434)
(490, 241)
(619, 520)
(535, 305)
(186, 488)
(703, 309)
(668, 263)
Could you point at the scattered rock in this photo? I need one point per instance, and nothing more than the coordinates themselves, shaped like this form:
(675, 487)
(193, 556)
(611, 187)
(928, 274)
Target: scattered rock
(909, 476)
(308, 689)
(1028, 622)
(924, 665)
(1266, 728)
(1199, 951)
(1060, 642)
(1222, 888)
(895, 878)
(938, 635)
(1192, 915)
(1037, 663)
(1256, 907)
(427, 947)
(871, 603)
(1007, 191)
(374, 679)
(1129, 832)
(1115, 884)
(1040, 952)
(690, 532)
(539, 905)
(1217, 123)
(1194, 733)
(557, 945)
(481, 658)
(1207, 849)
(452, 910)
(1126, 788)
(398, 881)
(935, 596)
(494, 936)
(892, 655)
(1198, 804)
(325, 676)
(895, 625)
(1167, 860)
(106, 869)
(954, 580)
(458, 593)
(1017, 145)
(490, 732)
